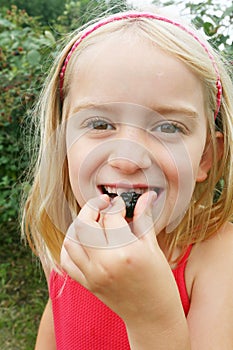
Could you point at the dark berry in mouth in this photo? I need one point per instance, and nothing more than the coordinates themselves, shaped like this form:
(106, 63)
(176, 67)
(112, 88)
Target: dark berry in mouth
(130, 199)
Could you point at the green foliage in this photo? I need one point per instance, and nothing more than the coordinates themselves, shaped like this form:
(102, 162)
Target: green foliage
(77, 13)
(45, 10)
(22, 298)
(215, 18)
(23, 47)
(217, 22)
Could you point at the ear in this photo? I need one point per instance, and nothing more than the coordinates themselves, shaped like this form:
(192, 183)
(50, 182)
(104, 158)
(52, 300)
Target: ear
(207, 157)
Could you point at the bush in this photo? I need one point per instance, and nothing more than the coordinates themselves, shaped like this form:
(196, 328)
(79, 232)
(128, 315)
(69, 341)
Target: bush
(23, 48)
(45, 10)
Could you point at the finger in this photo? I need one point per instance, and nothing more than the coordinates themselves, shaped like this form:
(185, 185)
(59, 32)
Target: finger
(117, 206)
(72, 243)
(91, 210)
(90, 234)
(116, 228)
(71, 268)
(87, 233)
(143, 222)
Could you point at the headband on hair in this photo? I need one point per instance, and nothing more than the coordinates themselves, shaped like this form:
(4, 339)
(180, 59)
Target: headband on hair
(133, 15)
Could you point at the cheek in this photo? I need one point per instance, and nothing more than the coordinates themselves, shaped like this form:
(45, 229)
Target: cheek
(179, 167)
(79, 172)
(85, 160)
(74, 160)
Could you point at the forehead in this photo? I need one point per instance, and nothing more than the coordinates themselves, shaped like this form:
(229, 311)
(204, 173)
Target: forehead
(130, 68)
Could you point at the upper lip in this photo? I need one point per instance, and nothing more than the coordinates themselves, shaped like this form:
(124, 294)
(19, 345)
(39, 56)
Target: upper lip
(126, 185)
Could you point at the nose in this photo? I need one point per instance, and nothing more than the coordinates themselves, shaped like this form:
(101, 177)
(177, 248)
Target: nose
(129, 157)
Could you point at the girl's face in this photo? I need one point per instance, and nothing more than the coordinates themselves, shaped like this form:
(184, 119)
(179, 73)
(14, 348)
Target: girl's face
(136, 121)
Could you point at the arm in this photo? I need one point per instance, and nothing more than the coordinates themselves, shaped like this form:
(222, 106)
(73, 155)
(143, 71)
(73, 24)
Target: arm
(150, 336)
(46, 338)
(210, 318)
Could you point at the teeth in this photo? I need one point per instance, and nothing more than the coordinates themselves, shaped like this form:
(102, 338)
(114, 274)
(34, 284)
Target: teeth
(140, 190)
(118, 191)
(111, 189)
(122, 190)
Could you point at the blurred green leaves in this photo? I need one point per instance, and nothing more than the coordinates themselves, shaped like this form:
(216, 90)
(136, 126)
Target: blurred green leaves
(23, 47)
(214, 17)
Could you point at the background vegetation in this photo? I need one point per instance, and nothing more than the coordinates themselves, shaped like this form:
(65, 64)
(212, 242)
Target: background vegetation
(29, 37)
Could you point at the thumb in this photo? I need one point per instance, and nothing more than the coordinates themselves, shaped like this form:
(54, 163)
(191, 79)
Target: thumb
(143, 222)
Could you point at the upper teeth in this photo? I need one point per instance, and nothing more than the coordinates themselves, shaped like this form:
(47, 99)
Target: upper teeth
(119, 190)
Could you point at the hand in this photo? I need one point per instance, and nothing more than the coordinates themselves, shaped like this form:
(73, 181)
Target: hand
(125, 269)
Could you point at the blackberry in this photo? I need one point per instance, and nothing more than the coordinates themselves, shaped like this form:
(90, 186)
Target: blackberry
(130, 199)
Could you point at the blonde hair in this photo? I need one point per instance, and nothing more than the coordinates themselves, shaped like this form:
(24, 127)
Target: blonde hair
(51, 206)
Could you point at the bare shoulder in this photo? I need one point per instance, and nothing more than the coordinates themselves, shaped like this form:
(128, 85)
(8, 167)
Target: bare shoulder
(209, 279)
(215, 255)
(217, 250)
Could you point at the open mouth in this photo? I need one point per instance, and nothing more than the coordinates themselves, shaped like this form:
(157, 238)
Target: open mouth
(113, 191)
(129, 195)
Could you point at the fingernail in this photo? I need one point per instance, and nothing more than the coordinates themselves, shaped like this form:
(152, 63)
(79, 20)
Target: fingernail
(105, 197)
(153, 196)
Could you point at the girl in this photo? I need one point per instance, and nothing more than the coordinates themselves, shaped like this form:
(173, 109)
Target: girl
(138, 105)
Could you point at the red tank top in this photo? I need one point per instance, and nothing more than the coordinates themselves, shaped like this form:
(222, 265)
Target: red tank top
(83, 322)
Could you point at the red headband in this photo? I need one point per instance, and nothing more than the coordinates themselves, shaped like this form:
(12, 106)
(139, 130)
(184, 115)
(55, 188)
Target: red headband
(128, 15)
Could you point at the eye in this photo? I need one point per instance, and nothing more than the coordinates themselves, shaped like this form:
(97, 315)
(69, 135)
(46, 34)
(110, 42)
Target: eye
(99, 124)
(170, 128)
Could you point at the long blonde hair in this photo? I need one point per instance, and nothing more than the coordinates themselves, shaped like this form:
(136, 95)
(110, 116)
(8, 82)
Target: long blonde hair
(51, 206)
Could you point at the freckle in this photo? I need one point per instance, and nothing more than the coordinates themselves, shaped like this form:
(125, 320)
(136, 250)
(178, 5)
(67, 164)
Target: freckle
(128, 261)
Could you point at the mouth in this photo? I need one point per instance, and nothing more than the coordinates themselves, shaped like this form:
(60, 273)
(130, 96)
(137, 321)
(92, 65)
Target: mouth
(115, 190)
(130, 195)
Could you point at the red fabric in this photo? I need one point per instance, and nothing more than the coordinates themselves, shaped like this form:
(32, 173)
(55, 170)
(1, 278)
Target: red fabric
(179, 274)
(83, 322)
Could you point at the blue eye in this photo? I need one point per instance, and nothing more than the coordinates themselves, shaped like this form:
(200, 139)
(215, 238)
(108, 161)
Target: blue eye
(169, 128)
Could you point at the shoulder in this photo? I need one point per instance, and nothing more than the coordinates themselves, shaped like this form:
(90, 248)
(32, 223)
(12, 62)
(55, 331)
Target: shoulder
(218, 249)
(211, 260)
(210, 284)
(210, 268)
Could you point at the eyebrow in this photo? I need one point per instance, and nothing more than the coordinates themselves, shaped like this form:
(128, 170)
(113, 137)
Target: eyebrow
(91, 105)
(184, 111)
(163, 110)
